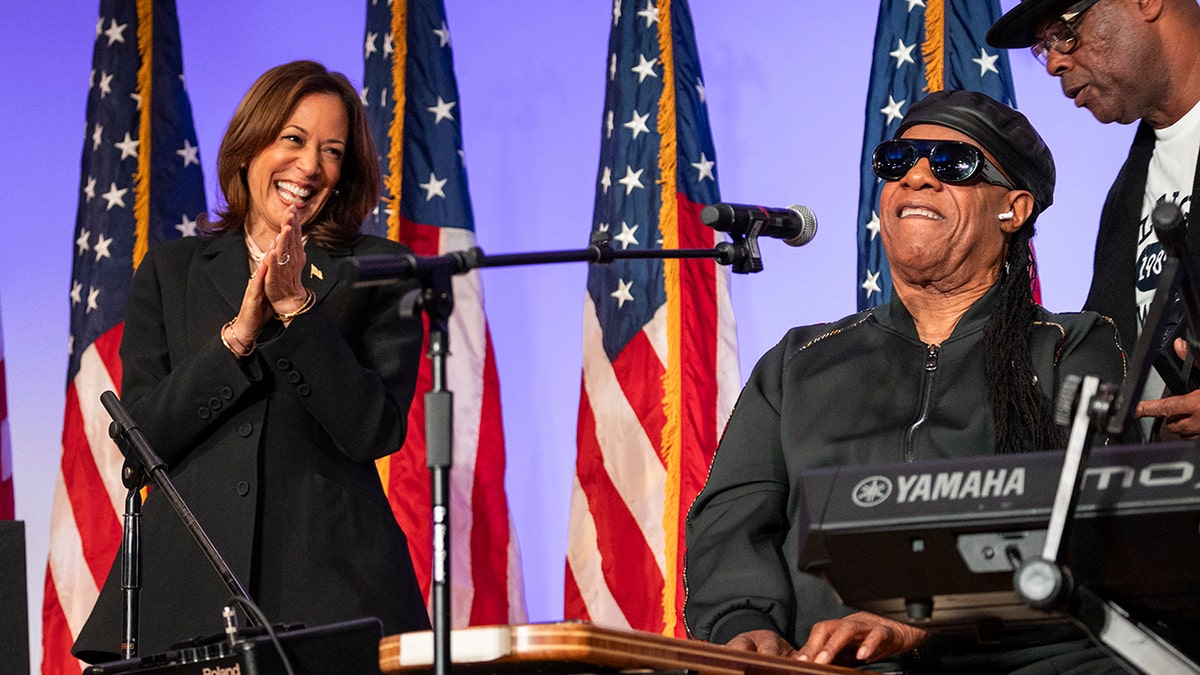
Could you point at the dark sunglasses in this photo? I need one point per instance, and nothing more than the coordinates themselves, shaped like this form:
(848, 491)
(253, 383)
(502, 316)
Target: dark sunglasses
(953, 162)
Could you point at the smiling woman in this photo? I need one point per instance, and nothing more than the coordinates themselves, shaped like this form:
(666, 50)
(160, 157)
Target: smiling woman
(296, 174)
(271, 420)
(299, 119)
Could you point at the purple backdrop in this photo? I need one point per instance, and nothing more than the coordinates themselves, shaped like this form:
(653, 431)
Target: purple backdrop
(786, 85)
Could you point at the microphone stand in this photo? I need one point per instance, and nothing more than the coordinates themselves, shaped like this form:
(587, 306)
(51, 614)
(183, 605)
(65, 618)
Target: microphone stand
(1045, 582)
(436, 297)
(133, 476)
(140, 461)
(1178, 278)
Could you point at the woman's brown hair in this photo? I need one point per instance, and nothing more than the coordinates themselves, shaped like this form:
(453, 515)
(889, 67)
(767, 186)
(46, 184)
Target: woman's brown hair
(258, 120)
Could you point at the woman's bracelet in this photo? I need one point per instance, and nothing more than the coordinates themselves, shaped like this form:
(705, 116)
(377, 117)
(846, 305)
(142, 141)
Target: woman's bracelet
(310, 299)
(246, 351)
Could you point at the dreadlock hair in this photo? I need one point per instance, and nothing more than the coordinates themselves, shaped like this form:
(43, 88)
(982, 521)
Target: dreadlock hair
(1023, 415)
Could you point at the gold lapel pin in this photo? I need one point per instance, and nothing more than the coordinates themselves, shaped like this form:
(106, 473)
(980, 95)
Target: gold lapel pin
(314, 272)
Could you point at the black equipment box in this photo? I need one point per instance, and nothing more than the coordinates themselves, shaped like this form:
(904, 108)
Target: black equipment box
(350, 647)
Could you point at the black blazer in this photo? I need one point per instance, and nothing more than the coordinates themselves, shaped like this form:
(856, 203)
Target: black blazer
(1114, 269)
(274, 454)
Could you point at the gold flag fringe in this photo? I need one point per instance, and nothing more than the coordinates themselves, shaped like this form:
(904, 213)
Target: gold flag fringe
(145, 89)
(668, 223)
(392, 182)
(934, 49)
(396, 131)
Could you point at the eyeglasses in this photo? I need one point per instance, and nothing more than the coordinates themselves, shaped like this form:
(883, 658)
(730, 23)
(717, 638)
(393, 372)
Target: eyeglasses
(953, 162)
(1060, 34)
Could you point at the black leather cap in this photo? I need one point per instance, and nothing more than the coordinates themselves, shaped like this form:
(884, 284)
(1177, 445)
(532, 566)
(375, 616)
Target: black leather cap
(1005, 133)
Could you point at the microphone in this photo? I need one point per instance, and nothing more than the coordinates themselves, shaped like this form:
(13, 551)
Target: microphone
(125, 431)
(1167, 219)
(796, 225)
(122, 421)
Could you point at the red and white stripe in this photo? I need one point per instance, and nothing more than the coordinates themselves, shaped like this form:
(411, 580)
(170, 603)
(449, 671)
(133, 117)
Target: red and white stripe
(616, 551)
(85, 520)
(485, 565)
(616, 555)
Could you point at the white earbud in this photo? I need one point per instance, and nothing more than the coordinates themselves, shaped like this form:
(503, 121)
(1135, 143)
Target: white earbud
(1007, 215)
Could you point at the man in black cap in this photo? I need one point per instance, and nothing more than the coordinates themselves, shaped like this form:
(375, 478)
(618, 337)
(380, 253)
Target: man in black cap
(1129, 60)
(960, 362)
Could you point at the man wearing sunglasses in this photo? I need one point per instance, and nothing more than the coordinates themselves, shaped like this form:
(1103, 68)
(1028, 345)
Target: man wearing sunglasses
(960, 362)
(1125, 61)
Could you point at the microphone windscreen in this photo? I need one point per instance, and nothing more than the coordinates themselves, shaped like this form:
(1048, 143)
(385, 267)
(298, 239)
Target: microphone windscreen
(714, 217)
(808, 225)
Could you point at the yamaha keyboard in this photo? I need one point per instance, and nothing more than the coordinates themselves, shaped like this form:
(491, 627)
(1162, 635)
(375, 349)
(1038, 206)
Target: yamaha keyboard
(937, 540)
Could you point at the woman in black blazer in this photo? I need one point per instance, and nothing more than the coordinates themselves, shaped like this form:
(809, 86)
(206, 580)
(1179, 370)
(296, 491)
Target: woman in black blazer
(270, 386)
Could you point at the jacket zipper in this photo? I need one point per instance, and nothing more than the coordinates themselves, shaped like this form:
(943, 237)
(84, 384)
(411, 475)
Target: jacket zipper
(931, 364)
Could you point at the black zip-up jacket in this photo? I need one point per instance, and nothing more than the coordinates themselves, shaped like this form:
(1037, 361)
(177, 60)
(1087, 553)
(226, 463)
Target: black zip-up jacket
(863, 390)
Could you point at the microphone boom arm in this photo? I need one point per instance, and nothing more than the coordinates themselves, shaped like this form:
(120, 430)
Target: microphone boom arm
(129, 437)
(742, 254)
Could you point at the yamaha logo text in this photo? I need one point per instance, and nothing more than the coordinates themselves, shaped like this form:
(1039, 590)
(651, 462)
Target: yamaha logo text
(1010, 482)
(927, 487)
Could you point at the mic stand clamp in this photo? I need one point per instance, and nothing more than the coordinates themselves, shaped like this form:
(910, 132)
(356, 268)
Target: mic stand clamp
(1046, 583)
(743, 255)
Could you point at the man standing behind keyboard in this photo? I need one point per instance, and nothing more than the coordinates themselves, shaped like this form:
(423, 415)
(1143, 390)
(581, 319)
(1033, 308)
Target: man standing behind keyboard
(1129, 61)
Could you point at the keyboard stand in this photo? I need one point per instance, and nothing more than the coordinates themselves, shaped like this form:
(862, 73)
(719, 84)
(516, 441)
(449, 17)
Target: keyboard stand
(1045, 583)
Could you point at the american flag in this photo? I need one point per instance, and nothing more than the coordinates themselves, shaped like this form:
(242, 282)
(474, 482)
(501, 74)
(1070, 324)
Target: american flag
(413, 106)
(140, 183)
(920, 46)
(660, 367)
(7, 505)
